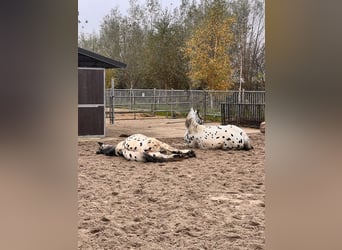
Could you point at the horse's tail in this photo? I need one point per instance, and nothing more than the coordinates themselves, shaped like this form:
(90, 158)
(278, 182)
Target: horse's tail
(160, 157)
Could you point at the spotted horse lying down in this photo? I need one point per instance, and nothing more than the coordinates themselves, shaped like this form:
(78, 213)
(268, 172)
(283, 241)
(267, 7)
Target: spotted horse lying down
(141, 148)
(226, 137)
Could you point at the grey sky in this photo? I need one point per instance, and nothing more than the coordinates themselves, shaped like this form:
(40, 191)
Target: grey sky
(94, 10)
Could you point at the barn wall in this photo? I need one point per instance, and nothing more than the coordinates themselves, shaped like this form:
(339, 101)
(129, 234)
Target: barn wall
(91, 102)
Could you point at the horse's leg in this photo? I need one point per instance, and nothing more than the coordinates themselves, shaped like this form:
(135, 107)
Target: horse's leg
(119, 148)
(160, 157)
(183, 152)
(247, 145)
(154, 145)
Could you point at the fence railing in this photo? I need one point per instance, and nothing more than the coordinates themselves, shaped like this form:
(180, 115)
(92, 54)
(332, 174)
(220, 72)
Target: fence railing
(173, 101)
(242, 114)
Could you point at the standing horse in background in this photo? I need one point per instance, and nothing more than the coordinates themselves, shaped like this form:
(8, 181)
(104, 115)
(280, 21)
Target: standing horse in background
(141, 148)
(214, 137)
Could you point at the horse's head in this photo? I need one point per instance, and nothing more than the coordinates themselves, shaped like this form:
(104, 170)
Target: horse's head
(193, 117)
(105, 149)
(198, 117)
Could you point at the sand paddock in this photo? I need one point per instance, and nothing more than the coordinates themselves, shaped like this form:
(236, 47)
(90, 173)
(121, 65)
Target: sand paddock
(214, 201)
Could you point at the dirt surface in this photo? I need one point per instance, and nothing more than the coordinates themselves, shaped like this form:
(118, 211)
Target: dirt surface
(159, 127)
(214, 201)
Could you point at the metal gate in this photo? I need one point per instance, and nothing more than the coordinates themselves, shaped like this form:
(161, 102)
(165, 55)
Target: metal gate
(246, 108)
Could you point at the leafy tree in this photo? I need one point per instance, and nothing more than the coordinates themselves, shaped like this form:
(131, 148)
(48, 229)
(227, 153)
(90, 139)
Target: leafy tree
(111, 73)
(207, 50)
(165, 66)
(122, 38)
(89, 41)
(206, 44)
(110, 34)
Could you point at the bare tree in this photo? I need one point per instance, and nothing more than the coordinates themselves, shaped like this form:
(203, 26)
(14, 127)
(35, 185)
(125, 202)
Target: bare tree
(248, 52)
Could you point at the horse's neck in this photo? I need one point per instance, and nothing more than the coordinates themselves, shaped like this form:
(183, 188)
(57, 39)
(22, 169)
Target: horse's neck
(195, 127)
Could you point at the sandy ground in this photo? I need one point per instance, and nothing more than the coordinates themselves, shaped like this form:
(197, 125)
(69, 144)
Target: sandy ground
(214, 201)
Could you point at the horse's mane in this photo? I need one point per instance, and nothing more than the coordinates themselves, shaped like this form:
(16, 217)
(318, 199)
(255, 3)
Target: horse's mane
(191, 120)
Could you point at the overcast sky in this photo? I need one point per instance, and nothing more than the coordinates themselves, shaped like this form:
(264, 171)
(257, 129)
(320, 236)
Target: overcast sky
(94, 10)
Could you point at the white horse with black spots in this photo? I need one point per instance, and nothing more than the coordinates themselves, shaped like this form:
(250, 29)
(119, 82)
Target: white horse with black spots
(141, 148)
(225, 137)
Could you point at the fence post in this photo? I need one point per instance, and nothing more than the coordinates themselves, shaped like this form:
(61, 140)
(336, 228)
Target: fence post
(192, 98)
(205, 105)
(223, 113)
(154, 101)
(172, 115)
(130, 98)
(112, 102)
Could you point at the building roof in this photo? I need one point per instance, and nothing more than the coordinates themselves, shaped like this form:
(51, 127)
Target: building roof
(89, 59)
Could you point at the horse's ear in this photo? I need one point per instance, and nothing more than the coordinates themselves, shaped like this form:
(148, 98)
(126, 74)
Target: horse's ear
(100, 143)
(192, 109)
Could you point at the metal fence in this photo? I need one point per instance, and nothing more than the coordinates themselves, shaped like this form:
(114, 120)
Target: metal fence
(246, 108)
(173, 102)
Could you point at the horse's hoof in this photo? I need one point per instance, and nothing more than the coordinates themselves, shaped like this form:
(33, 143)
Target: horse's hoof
(191, 154)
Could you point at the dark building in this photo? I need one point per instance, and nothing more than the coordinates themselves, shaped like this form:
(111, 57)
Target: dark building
(91, 91)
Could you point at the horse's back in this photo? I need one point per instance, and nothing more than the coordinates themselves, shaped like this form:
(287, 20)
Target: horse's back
(219, 137)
